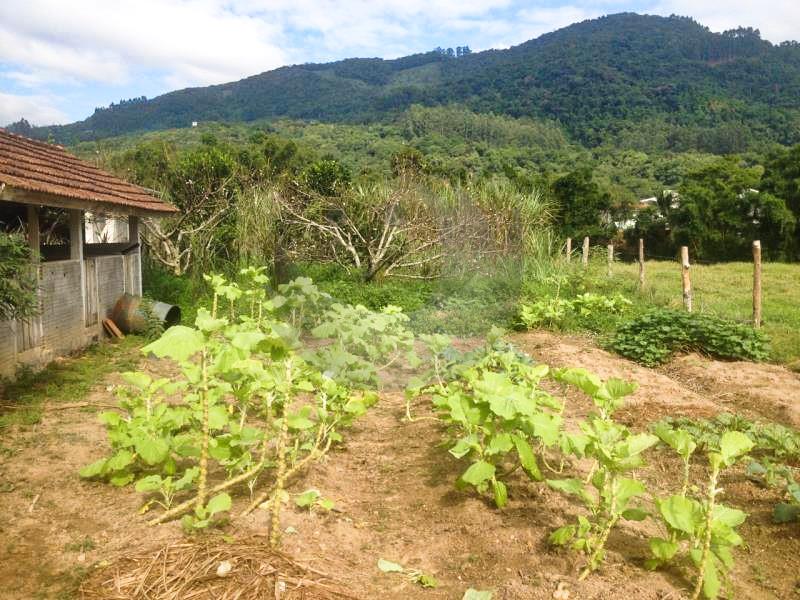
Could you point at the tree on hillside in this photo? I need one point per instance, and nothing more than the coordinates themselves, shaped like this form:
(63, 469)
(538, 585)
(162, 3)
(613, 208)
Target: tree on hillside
(782, 179)
(721, 212)
(582, 208)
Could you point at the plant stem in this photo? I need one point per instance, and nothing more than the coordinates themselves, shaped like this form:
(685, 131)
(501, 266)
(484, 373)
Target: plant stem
(186, 506)
(704, 557)
(274, 535)
(201, 483)
(606, 530)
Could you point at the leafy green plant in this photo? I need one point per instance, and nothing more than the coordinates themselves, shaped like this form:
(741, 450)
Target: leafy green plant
(414, 575)
(18, 281)
(702, 528)
(554, 311)
(776, 449)
(244, 398)
(651, 339)
(497, 415)
(616, 453)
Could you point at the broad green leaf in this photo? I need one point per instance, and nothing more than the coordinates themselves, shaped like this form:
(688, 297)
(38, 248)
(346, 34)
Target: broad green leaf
(562, 535)
(782, 513)
(325, 503)
(546, 427)
(626, 489)
(499, 444)
(683, 514)
(662, 549)
(151, 483)
(121, 479)
(635, 514)
(478, 472)
(473, 594)
(119, 461)
(730, 517)
(587, 382)
(500, 493)
(464, 446)
(206, 322)
(137, 379)
(734, 444)
(619, 388)
(526, 457)
(247, 340)
(178, 342)
(219, 503)
(307, 498)
(426, 581)
(93, 470)
(677, 439)
(217, 416)
(299, 422)
(636, 444)
(152, 450)
(388, 566)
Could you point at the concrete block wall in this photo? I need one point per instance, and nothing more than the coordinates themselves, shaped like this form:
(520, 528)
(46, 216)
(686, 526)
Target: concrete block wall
(62, 306)
(8, 349)
(110, 283)
(64, 297)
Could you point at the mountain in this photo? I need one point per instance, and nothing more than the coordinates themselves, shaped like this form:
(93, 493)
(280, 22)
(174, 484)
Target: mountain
(611, 79)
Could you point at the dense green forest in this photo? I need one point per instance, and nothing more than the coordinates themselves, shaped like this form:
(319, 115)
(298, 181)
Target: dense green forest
(643, 83)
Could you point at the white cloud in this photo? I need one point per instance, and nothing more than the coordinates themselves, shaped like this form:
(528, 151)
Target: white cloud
(45, 44)
(35, 108)
(107, 41)
(778, 20)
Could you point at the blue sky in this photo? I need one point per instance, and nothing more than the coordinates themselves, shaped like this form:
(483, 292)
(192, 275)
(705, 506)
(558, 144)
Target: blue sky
(59, 59)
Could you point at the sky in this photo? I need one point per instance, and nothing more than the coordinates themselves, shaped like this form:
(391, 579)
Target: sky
(59, 59)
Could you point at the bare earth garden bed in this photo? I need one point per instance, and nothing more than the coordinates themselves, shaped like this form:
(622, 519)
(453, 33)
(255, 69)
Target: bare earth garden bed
(392, 485)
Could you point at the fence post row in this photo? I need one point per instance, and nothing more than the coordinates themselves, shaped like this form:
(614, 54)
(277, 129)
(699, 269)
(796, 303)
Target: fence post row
(569, 249)
(585, 258)
(757, 284)
(685, 279)
(610, 257)
(641, 264)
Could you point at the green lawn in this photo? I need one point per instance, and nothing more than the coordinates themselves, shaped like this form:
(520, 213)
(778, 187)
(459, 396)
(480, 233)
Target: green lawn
(725, 290)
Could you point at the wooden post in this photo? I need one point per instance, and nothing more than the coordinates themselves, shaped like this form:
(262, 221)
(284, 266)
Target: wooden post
(685, 279)
(134, 237)
(757, 284)
(641, 264)
(585, 257)
(569, 249)
(33, 232)
(610, 257)
(75, 234)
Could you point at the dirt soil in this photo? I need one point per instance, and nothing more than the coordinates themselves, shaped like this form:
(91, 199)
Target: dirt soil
(393, 487)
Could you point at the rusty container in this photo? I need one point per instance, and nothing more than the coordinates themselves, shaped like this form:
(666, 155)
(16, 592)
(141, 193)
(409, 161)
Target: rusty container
(131, 318)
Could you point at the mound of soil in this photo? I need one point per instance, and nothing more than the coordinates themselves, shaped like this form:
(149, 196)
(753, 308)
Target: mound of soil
(392, 484)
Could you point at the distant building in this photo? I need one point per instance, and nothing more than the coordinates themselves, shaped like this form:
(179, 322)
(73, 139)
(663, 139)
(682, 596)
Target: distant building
(194, 123)
(83, 225)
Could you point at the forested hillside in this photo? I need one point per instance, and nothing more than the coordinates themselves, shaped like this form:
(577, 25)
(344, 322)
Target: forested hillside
(642, 82)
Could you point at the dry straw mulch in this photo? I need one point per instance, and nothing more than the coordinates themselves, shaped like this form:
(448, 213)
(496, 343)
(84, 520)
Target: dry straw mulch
(205, 570)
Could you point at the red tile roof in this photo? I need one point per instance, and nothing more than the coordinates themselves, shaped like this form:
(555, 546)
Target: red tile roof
(39, 167)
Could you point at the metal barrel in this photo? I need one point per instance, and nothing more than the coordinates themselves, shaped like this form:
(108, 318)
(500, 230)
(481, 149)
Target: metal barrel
(130, 317)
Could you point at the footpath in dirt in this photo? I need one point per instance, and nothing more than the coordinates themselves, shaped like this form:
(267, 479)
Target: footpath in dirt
(392, 484)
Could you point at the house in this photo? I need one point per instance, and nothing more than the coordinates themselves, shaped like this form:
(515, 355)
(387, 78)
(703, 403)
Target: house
(83, 225)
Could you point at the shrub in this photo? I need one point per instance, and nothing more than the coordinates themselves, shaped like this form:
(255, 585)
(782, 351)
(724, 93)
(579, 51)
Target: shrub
(654, 337)
(585, 308)
(18, 298)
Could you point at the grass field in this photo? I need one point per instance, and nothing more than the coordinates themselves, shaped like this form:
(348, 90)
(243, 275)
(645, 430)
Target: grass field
(725, 290)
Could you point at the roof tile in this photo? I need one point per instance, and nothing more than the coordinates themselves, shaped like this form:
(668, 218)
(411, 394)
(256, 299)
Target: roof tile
(40, 167)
